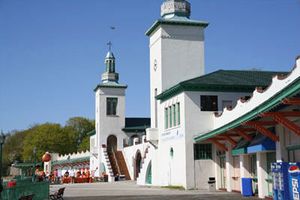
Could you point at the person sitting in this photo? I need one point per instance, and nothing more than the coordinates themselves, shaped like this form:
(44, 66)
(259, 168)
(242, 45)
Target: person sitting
(40, 175)
(117, 177)
(78, 174)
(66, 174)
(67, 178)
(104, 177)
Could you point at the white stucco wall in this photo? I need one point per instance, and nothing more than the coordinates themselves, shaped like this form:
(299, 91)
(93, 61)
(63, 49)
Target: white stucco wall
(93, 154)
(182, 54)
(178, 52)
(167, 170)
(107, 125)
(257, 99)
(130, 153)
(197, 121)
(203, 170)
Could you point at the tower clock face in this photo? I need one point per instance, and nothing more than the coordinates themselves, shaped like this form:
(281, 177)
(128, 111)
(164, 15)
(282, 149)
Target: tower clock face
(155, 65)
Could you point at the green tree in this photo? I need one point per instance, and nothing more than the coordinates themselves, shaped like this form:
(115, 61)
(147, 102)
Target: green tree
(47, 137)
(85, 144)
(81, 126)
(12, 148)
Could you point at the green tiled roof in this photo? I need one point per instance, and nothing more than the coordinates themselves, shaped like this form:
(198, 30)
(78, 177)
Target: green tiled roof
(223, 81)
(135, 128)
(75, 160)
(136, 124)
(91, 133)
(175, 21)
(110, 85)
(289, 91)
(26, 165)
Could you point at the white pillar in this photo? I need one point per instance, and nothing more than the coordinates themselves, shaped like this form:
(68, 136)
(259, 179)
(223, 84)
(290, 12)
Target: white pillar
(229, 169)
(281, 152)
(262, 174)
(47, 167)
(217, 171)
(244, 167)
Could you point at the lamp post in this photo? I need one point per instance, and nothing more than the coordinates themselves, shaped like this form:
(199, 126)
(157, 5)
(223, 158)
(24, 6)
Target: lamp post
(2, 140)
(34, 165)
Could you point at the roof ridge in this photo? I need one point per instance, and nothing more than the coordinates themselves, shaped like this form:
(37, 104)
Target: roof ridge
(243, 70)
(205, 75)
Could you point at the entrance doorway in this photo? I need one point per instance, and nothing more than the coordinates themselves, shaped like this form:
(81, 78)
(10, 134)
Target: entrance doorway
(112, 143)
(138, 164)
(149, 174)
(253, 172)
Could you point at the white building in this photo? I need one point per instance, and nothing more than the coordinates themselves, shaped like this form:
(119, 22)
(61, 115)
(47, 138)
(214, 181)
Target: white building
(202, 125)
(113, 131)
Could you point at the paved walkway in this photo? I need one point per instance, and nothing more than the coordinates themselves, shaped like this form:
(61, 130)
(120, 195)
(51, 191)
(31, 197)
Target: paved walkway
(129, 190)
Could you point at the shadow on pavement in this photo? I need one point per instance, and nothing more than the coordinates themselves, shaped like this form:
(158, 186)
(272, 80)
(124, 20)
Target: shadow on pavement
(162, 197)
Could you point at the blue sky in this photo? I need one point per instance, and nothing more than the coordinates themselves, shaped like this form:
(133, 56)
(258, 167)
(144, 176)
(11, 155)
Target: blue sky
(52, 51)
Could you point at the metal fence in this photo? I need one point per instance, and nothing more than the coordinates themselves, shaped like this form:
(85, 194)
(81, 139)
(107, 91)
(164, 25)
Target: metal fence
(40, 190)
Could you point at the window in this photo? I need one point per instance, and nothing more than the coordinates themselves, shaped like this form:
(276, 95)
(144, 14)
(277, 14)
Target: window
(172, 116)
(111, 106)
(166, 118)
(172, 152)
(155, 107)
(209, 103)
(178, 113)
(202, 151)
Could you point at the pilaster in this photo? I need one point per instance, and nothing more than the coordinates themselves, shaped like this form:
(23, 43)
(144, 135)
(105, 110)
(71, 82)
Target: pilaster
(262, 174)
(229, 169)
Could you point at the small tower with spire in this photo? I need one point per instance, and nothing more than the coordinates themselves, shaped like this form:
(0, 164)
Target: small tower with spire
(109, 114)
(110, 75)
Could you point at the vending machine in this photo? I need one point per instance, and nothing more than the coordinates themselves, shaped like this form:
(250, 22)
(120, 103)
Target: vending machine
(280, 181)
(294, 181)
(275, 180)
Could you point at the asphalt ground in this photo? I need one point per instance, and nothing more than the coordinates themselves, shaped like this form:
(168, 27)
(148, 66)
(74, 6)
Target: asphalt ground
(129, 190)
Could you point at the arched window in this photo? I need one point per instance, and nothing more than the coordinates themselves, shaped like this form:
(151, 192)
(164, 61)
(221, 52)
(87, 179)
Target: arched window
(172, 152)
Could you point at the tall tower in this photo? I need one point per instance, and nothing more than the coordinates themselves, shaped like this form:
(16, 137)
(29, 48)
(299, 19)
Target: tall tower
(176, 49)
(109, 113)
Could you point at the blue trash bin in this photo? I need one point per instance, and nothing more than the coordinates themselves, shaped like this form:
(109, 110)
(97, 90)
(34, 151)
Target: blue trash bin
(247, 190)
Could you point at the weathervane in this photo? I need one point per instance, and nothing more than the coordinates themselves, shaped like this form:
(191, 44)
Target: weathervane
(110, 43)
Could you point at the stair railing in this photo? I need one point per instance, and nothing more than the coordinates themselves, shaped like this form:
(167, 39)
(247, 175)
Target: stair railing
(116, 161)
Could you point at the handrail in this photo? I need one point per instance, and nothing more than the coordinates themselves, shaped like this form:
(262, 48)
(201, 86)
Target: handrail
(116, 161)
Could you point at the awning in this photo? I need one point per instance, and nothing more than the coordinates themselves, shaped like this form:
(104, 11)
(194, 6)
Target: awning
(75, 161)
(26, 165)
(261, 143)
(241, 148)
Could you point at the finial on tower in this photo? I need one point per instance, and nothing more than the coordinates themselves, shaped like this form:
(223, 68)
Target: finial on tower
(110, 74)
(172, 8)
(109, 44)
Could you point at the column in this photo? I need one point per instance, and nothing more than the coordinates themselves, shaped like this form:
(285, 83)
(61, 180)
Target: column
(217, 169)
(262, 174)
(244, 167)
(281, 152)
(229, 169)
